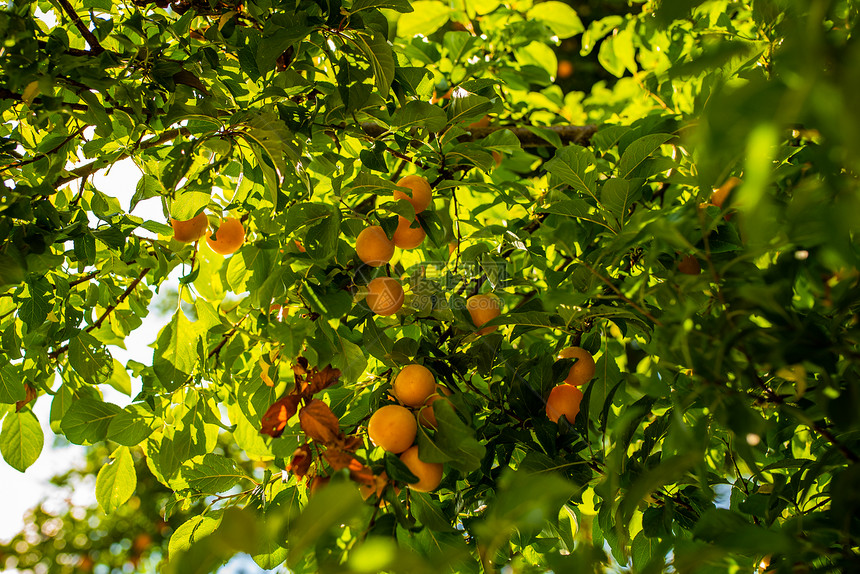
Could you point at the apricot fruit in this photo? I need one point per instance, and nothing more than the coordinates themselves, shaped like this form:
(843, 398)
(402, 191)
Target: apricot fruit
(565, 69)
(190, 230)
(413, 385)
(373, 246)
(429, 473)
(721, 194)
(689, 265)
(384, 296)
(482, 308)
(482, 123)
(564, 401)
(392, 428)
(582, 370)
(228, 238)
(427, 416)
(406, 236)
(421, 192)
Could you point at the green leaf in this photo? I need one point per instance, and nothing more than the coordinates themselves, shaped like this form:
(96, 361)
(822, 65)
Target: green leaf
(175, 356)
(456, 439)
(429, 512)
(119, 379)
(133, 425)
(188, 204)
(558, 17)
(428, 16)
(616, 196)
(397, 5)
(34, 309)
(639, 151)
(21, 439)
(322, 238)
(11, 384)
(303, 214)
(331, 507)
(730, 530)
(87, 420)
(468, 108)
(664, 473)
(116, 481)
(277, 39)
(213, 475)
(89, 359)
(191, 531)
(574, 165)
(420, 114)
(97, 113)
(373, 184)
(378, 52)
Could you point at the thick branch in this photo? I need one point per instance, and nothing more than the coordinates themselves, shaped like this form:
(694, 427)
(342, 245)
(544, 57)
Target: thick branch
(95, 46)
(580, 135)
(59, 351)
(92, 167)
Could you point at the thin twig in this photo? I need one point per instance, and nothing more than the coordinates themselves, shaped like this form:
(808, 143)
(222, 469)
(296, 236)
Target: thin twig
(225, 337)
(83, 278)
(56, 353)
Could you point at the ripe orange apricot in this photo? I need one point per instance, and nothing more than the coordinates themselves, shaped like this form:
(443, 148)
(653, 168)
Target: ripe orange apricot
(482, 308)
(429, 473)
(228, 237)
(564, 401)
(373, 246)
(427, 416)
(407, 237)
(421, 192)
(384, 296)
(582, 370)
(482, 123)
(413, 385)
(190, 230)
(721, 194)
(689, 265)
(392, 428)
(565, 69)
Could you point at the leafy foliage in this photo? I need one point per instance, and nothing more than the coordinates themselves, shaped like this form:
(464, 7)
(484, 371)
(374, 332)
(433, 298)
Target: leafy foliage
(721, 425)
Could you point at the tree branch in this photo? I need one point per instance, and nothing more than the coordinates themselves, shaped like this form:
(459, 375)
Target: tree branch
(224, 338)
(57, 352)
(95, 46)
(580, 135)
(92, 167)
(39, 156)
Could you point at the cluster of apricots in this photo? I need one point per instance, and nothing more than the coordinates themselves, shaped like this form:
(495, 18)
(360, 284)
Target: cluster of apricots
(394, 427)
(227, 239)
(564, 399)
(374, 248)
